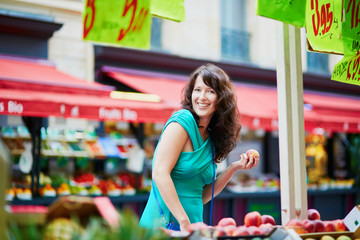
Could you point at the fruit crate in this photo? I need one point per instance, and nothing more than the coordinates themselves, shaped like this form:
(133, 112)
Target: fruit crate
(319, 235)
(247, 237)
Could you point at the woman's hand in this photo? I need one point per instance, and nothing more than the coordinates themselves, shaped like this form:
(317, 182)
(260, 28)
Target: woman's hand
(247, 160)
(184, 225)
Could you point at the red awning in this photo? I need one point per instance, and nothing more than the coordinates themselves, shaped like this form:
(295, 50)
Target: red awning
(257, 104)
(41, 75)
(36, 88)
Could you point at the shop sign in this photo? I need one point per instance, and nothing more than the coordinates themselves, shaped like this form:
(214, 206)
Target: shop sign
(348, 70)
(117, 114)
(169, 9)
(288, 11)
(15, 107)
(323, 26)
(119, 23)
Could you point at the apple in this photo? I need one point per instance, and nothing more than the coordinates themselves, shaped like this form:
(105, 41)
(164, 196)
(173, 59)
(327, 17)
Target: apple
(267, 219)
(329, 226)
(252, 219)
(254, 153)
(339, 225)
(343, 237)
(227, 221)
(197, 226)
(313, 214)
(319, 225)
(254, 230)
(241, 231)
(309, 225)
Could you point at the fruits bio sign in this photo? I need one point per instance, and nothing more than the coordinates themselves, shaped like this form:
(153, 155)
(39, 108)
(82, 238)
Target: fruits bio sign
(122, 22)
(323, 18)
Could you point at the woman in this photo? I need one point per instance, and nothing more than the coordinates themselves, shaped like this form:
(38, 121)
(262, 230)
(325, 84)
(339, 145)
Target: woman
(206, 128)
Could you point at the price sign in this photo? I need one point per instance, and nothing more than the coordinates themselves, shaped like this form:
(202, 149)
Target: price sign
(170, 9)
(351, 25)
(323, 21)
(122, 22)
(348, 70)
(288, 11)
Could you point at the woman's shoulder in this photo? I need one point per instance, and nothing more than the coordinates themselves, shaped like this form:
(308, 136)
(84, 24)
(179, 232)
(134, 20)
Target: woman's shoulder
(182, 114)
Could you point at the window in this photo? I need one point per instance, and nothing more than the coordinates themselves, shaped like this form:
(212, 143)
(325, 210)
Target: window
(234, 37)
(156, 33)
(317, 63)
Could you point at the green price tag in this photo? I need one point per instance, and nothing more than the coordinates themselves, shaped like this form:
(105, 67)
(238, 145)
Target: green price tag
(123, 23)
(348, 70)
(288, 11)
(351, 26)
(323, 26)
(170, 9)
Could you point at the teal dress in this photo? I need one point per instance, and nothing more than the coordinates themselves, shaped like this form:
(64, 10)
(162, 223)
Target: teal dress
(192, 171)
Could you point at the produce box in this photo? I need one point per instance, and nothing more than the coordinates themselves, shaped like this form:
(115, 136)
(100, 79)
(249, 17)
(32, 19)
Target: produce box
(352, 221)
(319, 235)
(83, 208)
(27, 214)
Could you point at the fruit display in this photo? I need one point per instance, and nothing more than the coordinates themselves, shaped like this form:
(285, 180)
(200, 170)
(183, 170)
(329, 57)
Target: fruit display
(47, 191)
(314, 224)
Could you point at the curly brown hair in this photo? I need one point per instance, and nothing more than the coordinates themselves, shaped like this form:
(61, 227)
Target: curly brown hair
(224, 127)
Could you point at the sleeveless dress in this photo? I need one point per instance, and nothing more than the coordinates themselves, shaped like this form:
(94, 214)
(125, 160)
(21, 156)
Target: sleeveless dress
(192, 171)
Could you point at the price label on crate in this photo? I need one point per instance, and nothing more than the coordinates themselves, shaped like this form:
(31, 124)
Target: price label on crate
(323, 26)
(169, 9)
(124, 23)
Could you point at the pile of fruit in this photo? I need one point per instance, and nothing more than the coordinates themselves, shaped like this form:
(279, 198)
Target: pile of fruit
(314, 224)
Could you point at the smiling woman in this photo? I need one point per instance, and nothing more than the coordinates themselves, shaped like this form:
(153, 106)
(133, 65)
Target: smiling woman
(193, 140)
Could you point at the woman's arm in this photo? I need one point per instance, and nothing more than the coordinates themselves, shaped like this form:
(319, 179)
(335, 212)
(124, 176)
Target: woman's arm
(245, 162)
(169, 148)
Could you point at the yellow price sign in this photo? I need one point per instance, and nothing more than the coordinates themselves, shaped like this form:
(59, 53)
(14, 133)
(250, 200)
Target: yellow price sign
(348, 70)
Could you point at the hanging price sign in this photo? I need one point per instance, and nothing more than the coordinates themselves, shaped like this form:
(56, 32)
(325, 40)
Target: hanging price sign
(122, 22)
(348, 70)
(169, 9)
(323, 21)
(288, 11)
(351, 25)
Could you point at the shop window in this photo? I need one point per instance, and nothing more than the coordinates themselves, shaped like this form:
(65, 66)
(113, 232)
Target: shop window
(234, 36)
(317, 63)
(156, 31)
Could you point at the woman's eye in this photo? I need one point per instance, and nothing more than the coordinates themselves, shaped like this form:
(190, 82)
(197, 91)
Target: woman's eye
(211, 91)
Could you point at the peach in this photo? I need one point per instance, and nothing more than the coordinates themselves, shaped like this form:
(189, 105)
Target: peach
(219, 231)
(339, 225)
(252, 219)
(313, 214)
(294, 222)
(319, 225)
(229, 230)
(268, 219)
(309, 225)
(266, 228)
(329, 226)
(254, 153)
(227, 221)
(241, 231)
(254, 230)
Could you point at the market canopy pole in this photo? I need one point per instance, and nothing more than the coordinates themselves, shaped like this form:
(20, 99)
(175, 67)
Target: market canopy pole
(291, 123)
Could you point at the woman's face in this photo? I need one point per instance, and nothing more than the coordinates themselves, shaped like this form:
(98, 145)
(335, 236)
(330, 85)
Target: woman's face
(203, 99)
